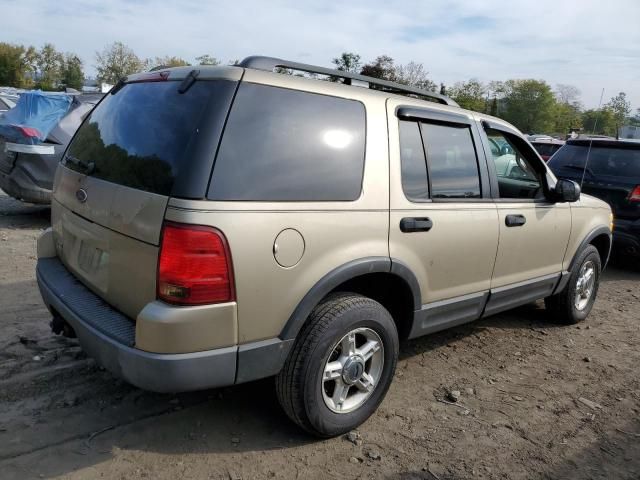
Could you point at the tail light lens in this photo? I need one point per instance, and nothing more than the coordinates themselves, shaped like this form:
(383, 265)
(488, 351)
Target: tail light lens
(194, 267)
(635, 194)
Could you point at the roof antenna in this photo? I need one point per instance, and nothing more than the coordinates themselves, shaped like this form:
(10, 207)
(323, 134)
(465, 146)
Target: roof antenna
(595, 124)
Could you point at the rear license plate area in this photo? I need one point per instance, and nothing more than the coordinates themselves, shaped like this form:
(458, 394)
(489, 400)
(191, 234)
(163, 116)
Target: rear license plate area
(90, 258)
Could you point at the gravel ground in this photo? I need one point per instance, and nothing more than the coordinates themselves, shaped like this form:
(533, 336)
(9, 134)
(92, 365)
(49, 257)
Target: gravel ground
(536, 400)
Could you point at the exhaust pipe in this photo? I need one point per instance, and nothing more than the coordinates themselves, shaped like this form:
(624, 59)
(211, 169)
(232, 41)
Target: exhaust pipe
(60, 326)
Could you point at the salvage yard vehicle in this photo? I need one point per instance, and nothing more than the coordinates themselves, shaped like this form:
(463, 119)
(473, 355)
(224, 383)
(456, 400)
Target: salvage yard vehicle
(546, 146)
(7, 102)
(611, 173)
(27, 171)
(218, 225)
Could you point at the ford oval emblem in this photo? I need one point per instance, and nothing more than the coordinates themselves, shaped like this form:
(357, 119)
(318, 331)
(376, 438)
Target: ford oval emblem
(81, 195)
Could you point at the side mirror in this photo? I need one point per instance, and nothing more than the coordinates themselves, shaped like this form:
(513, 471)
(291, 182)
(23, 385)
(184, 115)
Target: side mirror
(567, 191)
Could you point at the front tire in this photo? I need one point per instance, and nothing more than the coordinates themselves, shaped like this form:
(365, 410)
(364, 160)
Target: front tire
(341, 365)
(573, 304)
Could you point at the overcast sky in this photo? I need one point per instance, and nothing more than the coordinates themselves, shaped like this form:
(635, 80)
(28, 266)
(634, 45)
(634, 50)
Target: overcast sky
(592, 44)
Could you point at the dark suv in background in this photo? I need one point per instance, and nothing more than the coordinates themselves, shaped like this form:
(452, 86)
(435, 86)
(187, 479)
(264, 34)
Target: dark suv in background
(611, 174)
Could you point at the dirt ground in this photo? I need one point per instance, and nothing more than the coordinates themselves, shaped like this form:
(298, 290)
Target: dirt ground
(519, 415)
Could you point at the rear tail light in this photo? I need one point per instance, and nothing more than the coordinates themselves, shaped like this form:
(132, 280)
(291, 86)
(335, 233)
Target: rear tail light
(635, 194)
(194, 267)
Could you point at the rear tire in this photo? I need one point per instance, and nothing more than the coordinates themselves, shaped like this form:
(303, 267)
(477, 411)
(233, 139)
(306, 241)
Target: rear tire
(341, 365)
(573, 304)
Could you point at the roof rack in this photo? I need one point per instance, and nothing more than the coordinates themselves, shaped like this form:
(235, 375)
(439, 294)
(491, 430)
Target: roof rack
(269, 64)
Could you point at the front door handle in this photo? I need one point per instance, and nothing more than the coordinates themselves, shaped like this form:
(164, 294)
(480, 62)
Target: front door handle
(515, 220)
(413, 224)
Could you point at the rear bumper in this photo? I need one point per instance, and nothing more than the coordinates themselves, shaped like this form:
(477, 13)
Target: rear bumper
(109, 337)
(29, 177)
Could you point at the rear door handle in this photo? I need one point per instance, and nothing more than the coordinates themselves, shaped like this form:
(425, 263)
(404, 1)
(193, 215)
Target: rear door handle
(515, 220)
(413, 224)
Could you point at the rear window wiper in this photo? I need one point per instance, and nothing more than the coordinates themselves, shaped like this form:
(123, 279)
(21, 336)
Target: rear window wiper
(118, 86)
(189, 80)
(89, 168)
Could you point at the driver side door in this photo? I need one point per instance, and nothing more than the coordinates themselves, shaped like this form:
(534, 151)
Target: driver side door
(533, 230)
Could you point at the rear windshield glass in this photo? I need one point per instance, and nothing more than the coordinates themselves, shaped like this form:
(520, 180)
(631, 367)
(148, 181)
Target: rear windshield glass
(546, 148)
(139, 137)
(616, 162)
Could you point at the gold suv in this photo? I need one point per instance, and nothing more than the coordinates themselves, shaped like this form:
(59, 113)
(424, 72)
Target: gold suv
(216, 225)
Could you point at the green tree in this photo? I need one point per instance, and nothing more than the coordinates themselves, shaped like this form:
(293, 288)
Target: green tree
(568, 109)
(72, 74)
(493, 109)
(599, 122)
(566, 117)
(348, 62)
(117, 61)
(49, 63)
(620, 108)
(382, 67)
(16, 65)
(496, 90)
(470, 95)
(529, 105)
(210, 60)
(168, 61)
(635, 119)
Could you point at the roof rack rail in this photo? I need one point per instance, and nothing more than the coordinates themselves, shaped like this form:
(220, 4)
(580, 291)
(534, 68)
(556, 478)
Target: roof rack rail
(270, 63)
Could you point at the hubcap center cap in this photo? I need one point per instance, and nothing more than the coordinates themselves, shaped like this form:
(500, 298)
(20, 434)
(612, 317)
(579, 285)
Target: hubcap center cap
(353, 369)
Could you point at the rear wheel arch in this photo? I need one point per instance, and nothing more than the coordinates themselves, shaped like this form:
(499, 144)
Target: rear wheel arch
(389, 282)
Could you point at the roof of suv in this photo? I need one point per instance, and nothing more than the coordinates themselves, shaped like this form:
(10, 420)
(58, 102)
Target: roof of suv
(259, 66)
(605, 142)
(547, 141)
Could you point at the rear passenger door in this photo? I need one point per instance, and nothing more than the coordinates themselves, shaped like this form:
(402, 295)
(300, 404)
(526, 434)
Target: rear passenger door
(443, 221)
(534, 230)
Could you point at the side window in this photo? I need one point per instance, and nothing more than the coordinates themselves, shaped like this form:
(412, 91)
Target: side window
(288, 145)
(413, 165)
(452, 161)
(516, 176)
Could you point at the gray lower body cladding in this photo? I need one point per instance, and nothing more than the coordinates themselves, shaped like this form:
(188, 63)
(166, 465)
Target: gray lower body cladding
(109, 337)
(444, 314)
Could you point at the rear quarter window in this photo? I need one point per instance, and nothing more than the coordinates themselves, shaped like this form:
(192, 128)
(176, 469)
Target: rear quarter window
(288, 145)
(603, 160)
(546, 148)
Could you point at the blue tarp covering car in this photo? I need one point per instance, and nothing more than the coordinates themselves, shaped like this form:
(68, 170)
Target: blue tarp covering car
(33, 136)
(34, 116)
